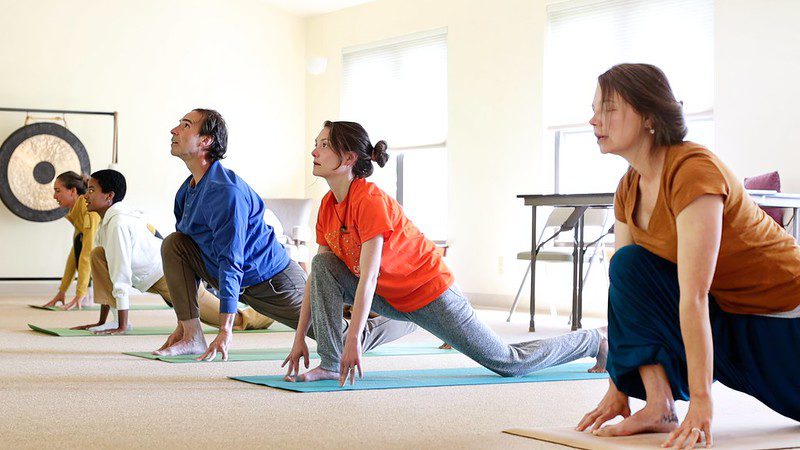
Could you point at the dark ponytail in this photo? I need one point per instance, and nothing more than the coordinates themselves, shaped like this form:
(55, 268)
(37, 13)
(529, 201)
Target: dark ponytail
(352, 137)
(72, 180)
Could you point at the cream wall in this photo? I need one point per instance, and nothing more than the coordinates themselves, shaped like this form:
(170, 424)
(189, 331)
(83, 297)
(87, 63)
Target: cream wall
(495, 96)
(153, 60)
(147, 60)
(495, 52)
(758, 87)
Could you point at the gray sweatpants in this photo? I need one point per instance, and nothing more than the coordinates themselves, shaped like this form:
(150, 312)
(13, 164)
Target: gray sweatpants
(278, 298)
(449, 317)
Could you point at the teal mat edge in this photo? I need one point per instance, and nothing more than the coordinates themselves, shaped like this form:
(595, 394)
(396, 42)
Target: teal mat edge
(574, 372)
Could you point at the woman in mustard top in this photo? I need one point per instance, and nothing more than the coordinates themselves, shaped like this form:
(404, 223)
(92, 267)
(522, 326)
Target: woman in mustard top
(704, 285)
(68, 191)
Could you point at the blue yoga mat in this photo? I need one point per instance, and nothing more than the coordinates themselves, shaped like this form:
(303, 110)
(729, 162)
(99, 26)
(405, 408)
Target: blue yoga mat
(398, 379)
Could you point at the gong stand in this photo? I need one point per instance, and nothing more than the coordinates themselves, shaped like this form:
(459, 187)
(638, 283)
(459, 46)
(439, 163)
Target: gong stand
(44, 171)
(65, 112)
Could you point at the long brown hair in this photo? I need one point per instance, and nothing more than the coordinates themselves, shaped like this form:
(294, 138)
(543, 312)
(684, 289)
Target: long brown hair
(647, 90)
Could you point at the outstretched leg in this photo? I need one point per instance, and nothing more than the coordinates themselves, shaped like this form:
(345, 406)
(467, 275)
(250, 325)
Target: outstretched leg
(452, 319)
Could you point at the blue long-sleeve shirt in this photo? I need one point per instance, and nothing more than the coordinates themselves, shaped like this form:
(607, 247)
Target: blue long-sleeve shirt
(225, 218)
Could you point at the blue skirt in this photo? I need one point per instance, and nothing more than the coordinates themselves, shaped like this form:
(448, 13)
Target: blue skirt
(757, 355)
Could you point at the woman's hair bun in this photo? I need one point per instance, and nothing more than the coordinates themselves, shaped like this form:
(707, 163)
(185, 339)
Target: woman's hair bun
(379, 154)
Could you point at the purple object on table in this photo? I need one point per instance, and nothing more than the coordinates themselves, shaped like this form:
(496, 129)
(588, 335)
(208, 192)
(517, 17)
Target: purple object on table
(768, 181)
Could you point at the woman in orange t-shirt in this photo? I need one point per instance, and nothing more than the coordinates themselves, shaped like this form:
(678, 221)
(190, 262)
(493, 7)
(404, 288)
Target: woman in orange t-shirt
(372, 257)
(704, 284)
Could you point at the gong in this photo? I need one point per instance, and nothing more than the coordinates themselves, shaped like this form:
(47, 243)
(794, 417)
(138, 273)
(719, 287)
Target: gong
(30, 160)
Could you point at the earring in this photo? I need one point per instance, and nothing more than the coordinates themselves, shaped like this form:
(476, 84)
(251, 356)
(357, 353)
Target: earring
(652, 131)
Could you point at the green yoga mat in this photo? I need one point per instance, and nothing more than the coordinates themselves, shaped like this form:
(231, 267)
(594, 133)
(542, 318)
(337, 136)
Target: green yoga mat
(97, 308)
(148, 331)
(279, 354)
(399, 379)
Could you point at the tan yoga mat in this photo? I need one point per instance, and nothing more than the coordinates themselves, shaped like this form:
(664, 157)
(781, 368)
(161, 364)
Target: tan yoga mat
(730, 437)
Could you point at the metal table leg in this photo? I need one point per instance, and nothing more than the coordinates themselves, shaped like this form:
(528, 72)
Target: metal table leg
(575, 278)
(576, 323)
(532, 325)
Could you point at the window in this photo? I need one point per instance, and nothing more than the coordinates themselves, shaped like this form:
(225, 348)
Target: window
(397, 90)
(584, 39)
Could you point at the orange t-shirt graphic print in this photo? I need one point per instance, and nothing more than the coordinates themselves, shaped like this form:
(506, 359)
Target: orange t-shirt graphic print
(412, 272)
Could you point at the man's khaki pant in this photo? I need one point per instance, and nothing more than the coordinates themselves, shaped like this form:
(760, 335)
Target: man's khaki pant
(208, 303)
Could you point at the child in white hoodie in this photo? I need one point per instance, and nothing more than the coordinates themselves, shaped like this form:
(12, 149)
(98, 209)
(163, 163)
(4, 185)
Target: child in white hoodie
(126, 253)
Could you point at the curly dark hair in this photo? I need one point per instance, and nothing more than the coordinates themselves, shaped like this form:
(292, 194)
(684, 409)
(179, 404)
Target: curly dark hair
(214, 125)
(646, 88)
(111, 181)
(352, 137)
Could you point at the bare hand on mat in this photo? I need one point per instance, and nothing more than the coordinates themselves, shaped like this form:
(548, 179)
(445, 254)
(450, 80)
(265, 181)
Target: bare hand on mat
(695, 425)
(613, 404)
(59, 298)
(219, 344)
(75, 303)
(299, 350)
(351, 359)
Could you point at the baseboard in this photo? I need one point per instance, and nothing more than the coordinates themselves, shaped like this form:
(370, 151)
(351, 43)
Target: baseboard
(503, 302)
(45, 288)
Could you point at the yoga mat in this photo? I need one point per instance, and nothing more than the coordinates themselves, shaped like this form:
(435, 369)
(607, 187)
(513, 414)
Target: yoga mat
(279, 354)
(399, 379)
(97, 308)
(149, 331)
(726, 437)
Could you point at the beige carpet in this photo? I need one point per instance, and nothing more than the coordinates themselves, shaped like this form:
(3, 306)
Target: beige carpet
(81, 392)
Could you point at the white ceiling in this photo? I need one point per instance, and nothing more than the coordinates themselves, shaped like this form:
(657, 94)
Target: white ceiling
(313, 7)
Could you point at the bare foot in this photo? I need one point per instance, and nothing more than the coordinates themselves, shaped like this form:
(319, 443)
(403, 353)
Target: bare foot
(184, 347)
(446, 346)
(602, 352)
(173, 338)
(650, 419)
(315, 374)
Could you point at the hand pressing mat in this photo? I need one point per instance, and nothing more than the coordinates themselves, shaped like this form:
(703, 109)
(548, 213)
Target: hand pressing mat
(97, 308)
(399, 379)
(726, 437)
(148, 331)
(279, 354)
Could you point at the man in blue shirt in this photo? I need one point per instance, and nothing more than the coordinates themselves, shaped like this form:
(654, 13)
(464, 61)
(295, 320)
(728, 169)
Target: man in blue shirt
(222, 238)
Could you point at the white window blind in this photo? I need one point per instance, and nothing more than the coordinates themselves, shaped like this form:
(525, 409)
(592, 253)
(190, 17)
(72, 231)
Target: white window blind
(585, 38)
(398, 89)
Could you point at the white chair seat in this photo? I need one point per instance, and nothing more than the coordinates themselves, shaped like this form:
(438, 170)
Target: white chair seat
(561, 254)
(597, 220)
